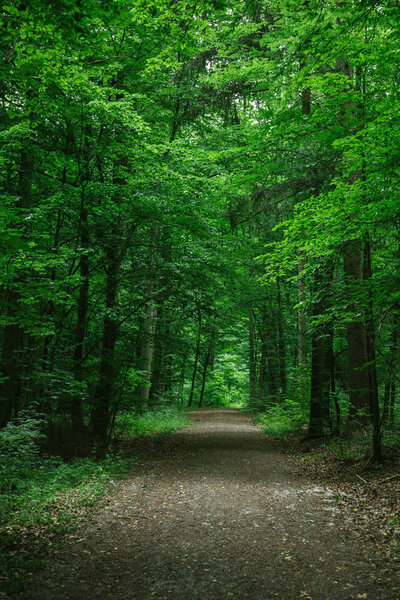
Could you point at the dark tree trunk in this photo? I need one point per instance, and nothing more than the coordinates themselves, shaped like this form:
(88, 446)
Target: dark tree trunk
(204, 377)
(321, 353)
(196, 360)
(82, 311)
(272, 360)
(104, 389)
(262, 371)
(281, 345)
(302, 330)
(10, 383)
(147, 353)
(182, 380)
(356, 335)
(371, 356)
(252, 359)
(353, 272)
(390, 386)
(158, 366)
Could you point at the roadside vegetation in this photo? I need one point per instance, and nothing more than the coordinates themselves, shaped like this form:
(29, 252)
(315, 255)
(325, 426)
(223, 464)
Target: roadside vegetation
(43, 496)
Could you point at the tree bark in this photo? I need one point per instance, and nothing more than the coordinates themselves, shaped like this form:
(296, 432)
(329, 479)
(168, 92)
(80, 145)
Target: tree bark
(262, 371)
(371, 356)
(302, 330)
(281, 344)
(104, 389)
(196, 359)
(356, 334)
(252, 359)
(204, 376)
(353, 272)
(321, 353)
(147, 352)
(81, 317)
(10, 383)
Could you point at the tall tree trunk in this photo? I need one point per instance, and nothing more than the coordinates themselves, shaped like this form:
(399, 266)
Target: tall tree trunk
(392, 372)
(158, 366)
(83, 298)
(182, 380)
(10, 383)
(321, 353)
(353, 272)
(81, 317)
(262, 371)
(301, 319)
(302, 330)
(273, 383)
(104, 389)
(204, 376)
(281, 344)
(371, 356)
(252, 359)
(196, 360)
(147, 352)
(356, 335)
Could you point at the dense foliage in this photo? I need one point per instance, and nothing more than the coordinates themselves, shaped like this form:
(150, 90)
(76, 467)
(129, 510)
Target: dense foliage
(199, 204)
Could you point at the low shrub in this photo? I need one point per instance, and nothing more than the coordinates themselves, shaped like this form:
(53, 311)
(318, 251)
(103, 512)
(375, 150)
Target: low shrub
(162, 420)
(282, 418)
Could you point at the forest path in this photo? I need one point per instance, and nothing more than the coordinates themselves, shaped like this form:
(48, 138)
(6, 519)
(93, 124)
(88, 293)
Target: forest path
(214, 511)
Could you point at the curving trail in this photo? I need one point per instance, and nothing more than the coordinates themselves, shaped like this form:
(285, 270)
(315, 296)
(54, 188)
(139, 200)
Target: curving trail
(215, 512)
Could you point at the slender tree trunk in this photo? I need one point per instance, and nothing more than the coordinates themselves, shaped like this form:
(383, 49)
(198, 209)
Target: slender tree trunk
(83, 298)
(158, 367)
(196, 360)
(321, 354)
(301, 319)
(182, 380)
(204, 376)
(335, 427)
(302, 329)
(371, 356)
(281, 344)
(262, 371)
(147, 352)
(392, 402)
(392, 372)
(272, 360)
(10, 384)
(82, 311)
(252, 358)
(104, 389)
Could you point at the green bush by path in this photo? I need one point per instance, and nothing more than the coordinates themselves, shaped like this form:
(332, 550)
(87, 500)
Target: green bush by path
(162, 420)
(283, 418)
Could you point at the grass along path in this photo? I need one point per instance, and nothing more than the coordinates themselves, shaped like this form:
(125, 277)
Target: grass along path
(215, 511)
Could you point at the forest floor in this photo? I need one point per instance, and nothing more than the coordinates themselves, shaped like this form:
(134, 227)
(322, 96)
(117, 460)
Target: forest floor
(217, 511)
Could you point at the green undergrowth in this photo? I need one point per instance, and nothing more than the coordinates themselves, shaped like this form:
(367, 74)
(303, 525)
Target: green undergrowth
(281, 419)
(162, 420)
(42, 497)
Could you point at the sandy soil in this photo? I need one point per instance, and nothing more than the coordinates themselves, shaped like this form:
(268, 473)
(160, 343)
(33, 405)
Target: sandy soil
(215, 512)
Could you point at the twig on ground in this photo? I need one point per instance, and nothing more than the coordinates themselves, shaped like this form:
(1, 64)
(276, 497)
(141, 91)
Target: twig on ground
(362, 479)
(390, 478)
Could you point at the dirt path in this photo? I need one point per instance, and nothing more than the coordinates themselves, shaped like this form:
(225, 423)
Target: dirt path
(214, 512)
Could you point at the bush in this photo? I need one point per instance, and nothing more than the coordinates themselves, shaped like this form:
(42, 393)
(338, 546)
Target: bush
(283, 418)
(19, 451)
(162, 420)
